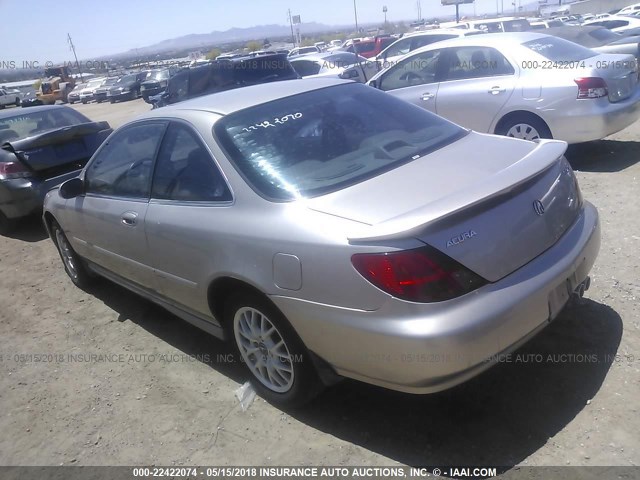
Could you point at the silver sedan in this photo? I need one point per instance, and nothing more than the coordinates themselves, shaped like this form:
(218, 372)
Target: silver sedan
(523, 85)
(330, 230)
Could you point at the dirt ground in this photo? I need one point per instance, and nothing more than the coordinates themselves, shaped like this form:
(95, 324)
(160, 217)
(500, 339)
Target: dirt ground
(120, 381)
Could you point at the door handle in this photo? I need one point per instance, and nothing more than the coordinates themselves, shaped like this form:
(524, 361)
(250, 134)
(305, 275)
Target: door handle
(427, 96)
(496, 90)
(129, 219)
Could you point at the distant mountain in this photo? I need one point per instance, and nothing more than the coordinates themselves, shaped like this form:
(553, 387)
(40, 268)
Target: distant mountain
(232, 35)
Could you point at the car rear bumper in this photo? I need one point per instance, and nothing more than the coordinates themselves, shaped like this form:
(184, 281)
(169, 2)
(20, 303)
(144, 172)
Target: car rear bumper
(595, 119)
(21, 197)
(425, 348)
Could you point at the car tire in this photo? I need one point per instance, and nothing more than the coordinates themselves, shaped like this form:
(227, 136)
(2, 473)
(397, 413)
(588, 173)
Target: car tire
(7, 225)
(288, 378)
(112, 102)
(73, 264)
(17, 102)
(524, 126)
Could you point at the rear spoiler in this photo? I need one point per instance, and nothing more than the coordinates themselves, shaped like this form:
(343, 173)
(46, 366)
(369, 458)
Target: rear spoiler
(53, 137)
(544, 156)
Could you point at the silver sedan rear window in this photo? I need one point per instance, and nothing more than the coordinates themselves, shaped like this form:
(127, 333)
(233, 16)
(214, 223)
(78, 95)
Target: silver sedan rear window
(325, 140)
(559, 50)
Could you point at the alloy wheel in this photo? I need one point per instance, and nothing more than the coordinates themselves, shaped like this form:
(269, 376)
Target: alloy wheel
(263, 349)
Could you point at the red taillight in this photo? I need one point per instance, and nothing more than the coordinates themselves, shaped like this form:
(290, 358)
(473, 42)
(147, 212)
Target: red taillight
(13, 170)
(420, 275)
(591, 87)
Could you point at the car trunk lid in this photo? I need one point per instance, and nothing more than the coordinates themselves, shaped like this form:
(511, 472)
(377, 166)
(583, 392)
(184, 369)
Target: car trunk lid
(55, 151)
(492, 211)
(619, 71)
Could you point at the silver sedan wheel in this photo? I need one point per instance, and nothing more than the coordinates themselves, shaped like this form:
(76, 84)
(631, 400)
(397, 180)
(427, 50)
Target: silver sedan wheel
(67, 254)
(263, 349)
(523, 131)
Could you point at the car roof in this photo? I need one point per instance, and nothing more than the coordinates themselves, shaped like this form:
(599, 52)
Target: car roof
(486, 40)
(14, 112)
(230, 101)
(443, 31)
(318, 57)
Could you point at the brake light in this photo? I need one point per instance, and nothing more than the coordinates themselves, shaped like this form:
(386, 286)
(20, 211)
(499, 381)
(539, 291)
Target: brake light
(422, 275)
(591, 87)
(10, 170)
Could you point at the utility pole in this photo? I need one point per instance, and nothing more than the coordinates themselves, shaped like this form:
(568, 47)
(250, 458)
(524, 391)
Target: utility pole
(419, 10)
(384, 10)
(73, 49)
(293, 39)
(355, 12)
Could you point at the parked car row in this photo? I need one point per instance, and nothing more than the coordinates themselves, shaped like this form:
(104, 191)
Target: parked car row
(126, 87)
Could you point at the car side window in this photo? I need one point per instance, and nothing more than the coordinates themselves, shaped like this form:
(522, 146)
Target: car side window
(422, 41)
(122, 168)
(178, 88)
(420, 69)
(475, 62)
(185, 170)
(401, 47)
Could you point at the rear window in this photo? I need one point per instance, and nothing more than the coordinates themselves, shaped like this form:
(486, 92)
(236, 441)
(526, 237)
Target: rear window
(306, 67)
(325, 140)
(558, 49)
(516, 26)
(604, 35)
(29, 124)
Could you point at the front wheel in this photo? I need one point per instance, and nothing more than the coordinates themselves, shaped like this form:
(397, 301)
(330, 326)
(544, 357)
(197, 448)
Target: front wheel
(525, 127)
(73, 264)
(279, 364)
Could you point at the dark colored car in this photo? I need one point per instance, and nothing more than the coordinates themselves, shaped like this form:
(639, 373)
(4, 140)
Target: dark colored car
(224, 75)
(156, 82)
(39, 149)
(30, 100)
(101, 93)
(127, 87)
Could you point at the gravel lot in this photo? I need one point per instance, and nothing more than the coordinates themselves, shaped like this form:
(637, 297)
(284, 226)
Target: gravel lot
(162, 392)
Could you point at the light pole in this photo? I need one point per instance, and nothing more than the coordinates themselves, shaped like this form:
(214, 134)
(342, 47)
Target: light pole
(355, 13)
(384, 10)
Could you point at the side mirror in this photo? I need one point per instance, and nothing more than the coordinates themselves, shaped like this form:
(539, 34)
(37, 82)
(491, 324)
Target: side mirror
(71, 188)
(374, 83)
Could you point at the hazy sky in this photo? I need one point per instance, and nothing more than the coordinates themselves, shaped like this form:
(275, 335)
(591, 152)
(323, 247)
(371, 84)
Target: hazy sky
(36, 30)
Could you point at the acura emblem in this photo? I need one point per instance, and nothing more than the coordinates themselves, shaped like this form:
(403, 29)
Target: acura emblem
(538, 207)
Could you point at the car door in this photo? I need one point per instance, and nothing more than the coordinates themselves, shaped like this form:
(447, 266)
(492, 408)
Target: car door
(415, 79)
(189, 210)
(477, 83)
(111, 214)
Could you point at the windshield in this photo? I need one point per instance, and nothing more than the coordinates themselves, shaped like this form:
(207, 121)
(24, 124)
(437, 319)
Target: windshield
(558, 49)
(604, 34)
(325, 140)
(29, 124)
(161, 75)
(127, 79)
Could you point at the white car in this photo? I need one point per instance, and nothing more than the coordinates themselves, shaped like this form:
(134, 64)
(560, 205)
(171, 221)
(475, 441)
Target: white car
(615, 23)
(345, 65)
(303, 51)
(630, 9)
(87, 93)
(9, 97)
(539, 24)
(413, 41)
(525, 85)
